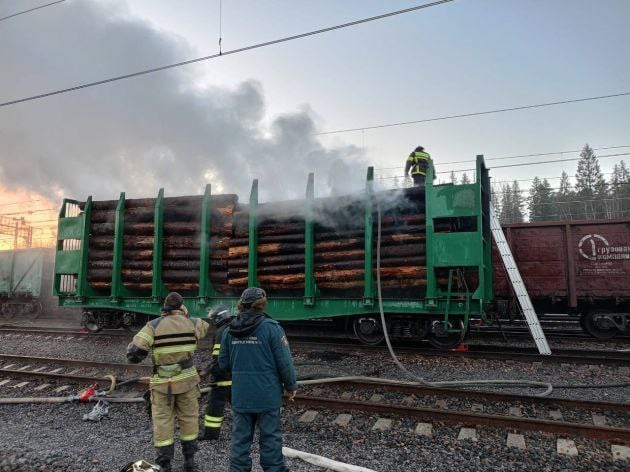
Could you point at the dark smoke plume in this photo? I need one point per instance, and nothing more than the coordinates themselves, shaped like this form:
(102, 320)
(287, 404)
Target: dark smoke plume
(144, 133)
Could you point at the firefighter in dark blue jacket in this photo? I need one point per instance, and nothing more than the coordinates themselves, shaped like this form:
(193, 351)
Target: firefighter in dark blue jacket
(256, 351)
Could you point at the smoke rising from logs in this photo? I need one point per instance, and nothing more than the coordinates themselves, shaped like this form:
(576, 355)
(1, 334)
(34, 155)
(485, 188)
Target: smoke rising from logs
(339, 244)
(148, 132)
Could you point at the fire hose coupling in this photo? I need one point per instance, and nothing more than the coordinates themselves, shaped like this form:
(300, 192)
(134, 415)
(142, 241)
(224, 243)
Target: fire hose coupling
(86, 395)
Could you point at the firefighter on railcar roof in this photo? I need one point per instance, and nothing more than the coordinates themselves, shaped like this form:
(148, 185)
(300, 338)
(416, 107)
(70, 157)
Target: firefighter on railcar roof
(417, 163)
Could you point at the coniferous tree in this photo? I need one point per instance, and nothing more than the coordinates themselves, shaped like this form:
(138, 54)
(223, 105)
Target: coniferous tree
(590, 185)
(565, 189)
(564, 198)
(465, 179)
(541, 201)
(589, 179)
(533, 200)
(620, 177)
(517, 203)
(624, 171)
(453, 178)
(620, 190)
(495, 199)
(506, 204)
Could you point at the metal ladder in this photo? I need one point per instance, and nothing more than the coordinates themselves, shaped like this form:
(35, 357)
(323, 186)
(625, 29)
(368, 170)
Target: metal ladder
(518, 285)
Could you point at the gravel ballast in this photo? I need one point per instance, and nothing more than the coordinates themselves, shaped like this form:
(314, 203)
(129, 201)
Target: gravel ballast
(45, 438)
(54, 437)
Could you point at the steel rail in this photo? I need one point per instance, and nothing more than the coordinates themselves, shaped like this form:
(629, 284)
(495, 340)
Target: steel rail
(74, 363)
(59, 332)
(57, 376)
(485, 395)
(575, 356)
(606, 433)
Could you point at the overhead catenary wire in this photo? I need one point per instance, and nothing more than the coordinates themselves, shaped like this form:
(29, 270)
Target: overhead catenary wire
(476, 113)
(468, 161)
(557, 160)
(523, 164)
(22, 202)
(41, 210)
(225, 53)
(31, 9)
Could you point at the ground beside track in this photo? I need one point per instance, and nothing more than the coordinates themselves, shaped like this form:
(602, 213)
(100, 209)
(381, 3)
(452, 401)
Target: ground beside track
(56, 434)
(38, 437)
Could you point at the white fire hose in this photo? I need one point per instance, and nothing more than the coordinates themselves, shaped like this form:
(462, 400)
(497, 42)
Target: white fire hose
(321, 461)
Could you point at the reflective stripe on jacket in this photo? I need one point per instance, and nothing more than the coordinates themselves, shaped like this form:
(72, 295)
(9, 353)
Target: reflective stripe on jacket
(419, 162)
(172, 339)
(218, 376)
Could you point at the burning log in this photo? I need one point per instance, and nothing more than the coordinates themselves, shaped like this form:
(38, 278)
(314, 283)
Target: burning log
(148, 264)
(345, 285)
(396, 251)
(326, 235)
(325, 266)
(170, 214)
(243, 230)
(288, 248)
(218, 200)
(169, 242)
(146, 287)
(405, 272)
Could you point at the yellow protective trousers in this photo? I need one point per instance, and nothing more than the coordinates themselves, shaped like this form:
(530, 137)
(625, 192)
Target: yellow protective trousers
(184, 406)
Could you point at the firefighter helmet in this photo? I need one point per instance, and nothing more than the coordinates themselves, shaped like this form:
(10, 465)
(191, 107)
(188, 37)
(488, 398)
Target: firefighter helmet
(219, 314)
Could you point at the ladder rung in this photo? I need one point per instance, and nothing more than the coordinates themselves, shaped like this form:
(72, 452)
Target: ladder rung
(518, 285)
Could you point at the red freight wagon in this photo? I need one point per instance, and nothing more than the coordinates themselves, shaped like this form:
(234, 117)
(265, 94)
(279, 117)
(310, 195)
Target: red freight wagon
(579, 267)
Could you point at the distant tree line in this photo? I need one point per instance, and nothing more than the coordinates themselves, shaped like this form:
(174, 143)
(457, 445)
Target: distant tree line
(592, 197)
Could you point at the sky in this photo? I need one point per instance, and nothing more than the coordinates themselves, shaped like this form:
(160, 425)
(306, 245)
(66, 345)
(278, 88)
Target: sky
(256, 114)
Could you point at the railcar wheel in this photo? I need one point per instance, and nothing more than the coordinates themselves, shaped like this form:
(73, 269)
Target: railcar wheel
(598, 324)
(37, 309)
(133, 322)
(369, 331)
(90, 322)
(8, 313)
(440, 339)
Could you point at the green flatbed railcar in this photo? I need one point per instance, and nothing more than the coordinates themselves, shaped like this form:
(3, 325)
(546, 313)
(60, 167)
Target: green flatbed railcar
(451, 279)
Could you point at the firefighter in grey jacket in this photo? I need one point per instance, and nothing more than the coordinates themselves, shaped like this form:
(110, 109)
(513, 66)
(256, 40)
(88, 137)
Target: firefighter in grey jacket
(172, 340)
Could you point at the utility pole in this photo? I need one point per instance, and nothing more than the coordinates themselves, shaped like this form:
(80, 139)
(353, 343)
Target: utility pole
(18, 228)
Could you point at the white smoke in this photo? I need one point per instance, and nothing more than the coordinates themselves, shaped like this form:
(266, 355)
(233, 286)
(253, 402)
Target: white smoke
(143, 133)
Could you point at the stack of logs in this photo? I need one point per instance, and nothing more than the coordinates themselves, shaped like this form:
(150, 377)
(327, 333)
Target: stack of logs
(181, 239)
(338, 255)
(339, 244)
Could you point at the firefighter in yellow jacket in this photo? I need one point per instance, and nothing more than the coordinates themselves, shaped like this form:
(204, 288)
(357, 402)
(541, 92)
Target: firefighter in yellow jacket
(417, 163)
(172, 339)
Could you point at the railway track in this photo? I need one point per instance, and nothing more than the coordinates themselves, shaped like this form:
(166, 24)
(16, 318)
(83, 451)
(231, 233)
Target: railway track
(350, 396)
(16, 330)
(477, 351)
(14, 370)
(387, 399)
